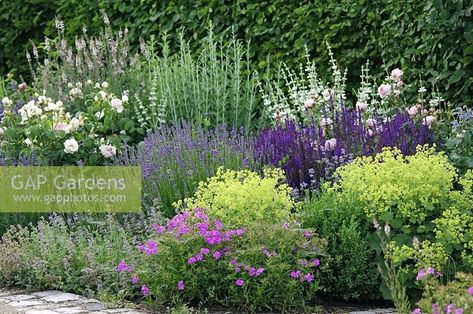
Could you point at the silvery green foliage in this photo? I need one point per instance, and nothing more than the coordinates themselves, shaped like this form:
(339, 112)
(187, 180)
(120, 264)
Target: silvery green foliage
(302, 94)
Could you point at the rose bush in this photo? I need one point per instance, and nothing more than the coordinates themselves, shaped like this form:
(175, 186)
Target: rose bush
(49, 130)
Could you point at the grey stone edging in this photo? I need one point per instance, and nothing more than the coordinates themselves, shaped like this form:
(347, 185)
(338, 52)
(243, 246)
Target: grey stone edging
(53, 302)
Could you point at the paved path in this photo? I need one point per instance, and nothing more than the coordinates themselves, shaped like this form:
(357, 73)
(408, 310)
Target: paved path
(53, 302)
(57, 302)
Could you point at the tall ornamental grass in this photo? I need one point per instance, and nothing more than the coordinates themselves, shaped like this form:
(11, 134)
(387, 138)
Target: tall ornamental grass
(215, 86)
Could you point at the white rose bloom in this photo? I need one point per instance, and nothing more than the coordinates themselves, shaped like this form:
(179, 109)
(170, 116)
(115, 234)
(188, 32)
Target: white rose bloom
(29, 110)
(75, 92)
(7, 101)
(103, 94)
(384, 90)
(42, 99)
(75, 124)
(429, 120)
(108, 151)
(89, 82)
(71, 146)
(125, 98)
(105, 85)
(117, 105)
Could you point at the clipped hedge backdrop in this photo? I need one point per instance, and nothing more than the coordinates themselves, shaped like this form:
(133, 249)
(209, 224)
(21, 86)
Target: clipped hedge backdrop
(429, 39)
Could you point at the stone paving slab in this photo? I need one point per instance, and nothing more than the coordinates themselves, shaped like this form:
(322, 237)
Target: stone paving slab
(57, 302)
(52, 302)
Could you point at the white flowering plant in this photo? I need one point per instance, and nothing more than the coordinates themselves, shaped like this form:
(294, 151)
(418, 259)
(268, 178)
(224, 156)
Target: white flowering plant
(47, 129)
(305, 97)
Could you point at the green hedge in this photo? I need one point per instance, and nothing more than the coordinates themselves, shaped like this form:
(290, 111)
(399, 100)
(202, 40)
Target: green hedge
(432, 39)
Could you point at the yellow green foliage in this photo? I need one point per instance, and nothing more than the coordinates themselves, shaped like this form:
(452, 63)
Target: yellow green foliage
(239, 198)
(425, 207)
(391, 185)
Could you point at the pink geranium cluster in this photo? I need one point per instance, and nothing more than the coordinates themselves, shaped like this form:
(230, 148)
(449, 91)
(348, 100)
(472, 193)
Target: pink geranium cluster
(427, 272)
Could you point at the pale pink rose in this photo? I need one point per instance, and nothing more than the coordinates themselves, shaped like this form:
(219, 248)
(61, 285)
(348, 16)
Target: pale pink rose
(331, 143)
(324, 122)
(396, 75)
(384, 90)
(108, 151)
(309, 103)
(61, 126)
(429, 120)
(117, 105)
(370, 123)
(361, 105)
(412, 111)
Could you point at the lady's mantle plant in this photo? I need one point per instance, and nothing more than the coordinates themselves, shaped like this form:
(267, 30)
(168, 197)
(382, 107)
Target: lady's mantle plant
(421, 211)
(196, 258)
(240, 198)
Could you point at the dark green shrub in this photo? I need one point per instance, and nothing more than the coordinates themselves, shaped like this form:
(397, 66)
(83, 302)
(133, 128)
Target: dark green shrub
(350, 269)
(432, 38)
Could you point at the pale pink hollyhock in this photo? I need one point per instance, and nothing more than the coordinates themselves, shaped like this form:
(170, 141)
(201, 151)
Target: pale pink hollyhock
(396, 75)
(309, 103)
(331, 143)
(412, 111)
(384, 90)
(361, 105)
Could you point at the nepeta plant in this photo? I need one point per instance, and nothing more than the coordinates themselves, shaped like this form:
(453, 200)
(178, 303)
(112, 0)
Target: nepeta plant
(310, 153)
(175, 159)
